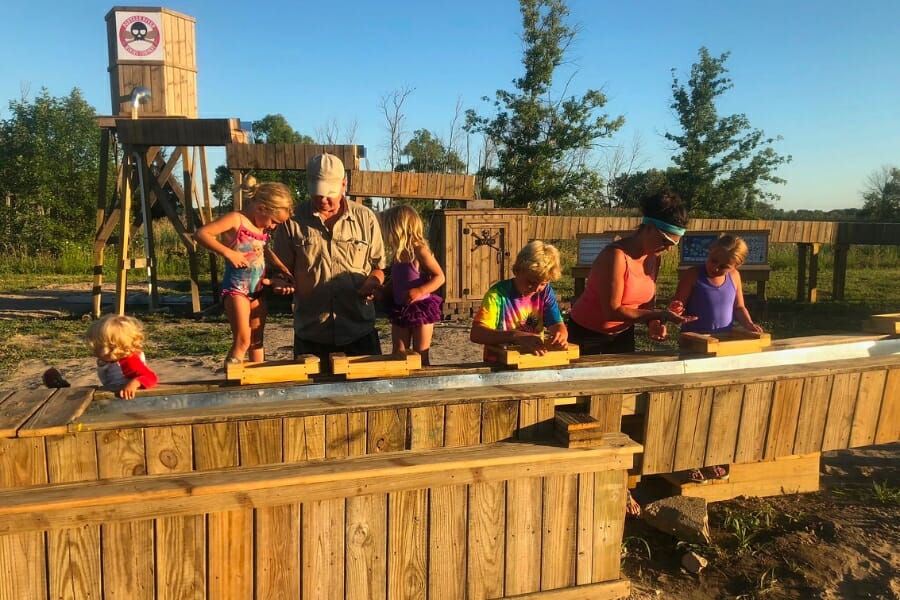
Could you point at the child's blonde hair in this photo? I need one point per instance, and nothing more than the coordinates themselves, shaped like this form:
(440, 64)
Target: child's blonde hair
(113, 337)
(539, 259)
(272, 196)
(732, 246)
(403, 231)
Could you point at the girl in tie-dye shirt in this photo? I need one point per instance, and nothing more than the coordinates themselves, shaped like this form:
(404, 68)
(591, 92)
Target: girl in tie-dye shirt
(523, 311)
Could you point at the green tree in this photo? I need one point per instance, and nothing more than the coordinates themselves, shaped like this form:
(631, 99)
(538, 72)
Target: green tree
(881, 199)
(49, 169)
(722, 162)
(543, 141)
(271, 129)
(428, 154)
(626, 190)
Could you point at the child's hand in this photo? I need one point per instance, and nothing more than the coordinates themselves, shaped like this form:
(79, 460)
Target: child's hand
(413, 294)
(531, 343)
(237, 259)
(753, 327)
(129, 390)
(556, 337)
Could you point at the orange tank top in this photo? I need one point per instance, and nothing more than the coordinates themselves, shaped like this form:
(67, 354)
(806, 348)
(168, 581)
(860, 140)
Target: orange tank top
(640, 288)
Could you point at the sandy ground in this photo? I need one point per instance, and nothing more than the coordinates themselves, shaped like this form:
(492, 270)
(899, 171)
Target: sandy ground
(450, 345)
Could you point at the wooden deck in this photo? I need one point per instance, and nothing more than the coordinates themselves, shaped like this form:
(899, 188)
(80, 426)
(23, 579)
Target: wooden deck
(450, 493)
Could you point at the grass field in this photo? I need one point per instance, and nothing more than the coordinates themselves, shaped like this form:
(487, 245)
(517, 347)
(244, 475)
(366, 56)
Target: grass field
(872, 287)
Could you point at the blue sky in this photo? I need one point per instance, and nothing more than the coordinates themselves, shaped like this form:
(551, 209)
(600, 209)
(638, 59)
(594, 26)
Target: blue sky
(822, 74)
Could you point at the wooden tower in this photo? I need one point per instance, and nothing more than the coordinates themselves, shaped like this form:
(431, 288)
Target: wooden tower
(153, 128)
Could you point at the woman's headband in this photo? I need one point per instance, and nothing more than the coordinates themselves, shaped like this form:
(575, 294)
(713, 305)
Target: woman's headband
(663, 226)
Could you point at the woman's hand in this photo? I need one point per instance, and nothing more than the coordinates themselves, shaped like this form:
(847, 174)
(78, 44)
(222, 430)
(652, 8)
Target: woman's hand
(657, 330)
(673, 317)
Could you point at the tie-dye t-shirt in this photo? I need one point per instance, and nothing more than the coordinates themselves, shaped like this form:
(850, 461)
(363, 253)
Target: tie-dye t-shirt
(504, 309)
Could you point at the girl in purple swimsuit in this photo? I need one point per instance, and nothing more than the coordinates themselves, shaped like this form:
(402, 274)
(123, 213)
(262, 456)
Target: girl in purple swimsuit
(415, 276)
(712, 292)
(242, 237)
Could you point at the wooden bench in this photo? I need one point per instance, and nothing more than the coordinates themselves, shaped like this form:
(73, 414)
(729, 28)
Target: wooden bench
(488, 521)
(694, 248)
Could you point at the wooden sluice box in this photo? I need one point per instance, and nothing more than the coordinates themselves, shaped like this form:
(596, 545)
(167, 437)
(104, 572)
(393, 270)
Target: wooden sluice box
(449, 483)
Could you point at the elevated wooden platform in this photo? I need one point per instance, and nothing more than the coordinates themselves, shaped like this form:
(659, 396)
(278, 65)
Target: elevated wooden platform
(217, 482)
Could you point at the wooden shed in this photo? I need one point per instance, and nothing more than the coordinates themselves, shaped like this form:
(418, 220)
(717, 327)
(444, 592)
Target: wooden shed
(476, 248)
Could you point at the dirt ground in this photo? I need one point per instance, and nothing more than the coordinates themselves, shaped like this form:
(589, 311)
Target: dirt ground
(841, 542)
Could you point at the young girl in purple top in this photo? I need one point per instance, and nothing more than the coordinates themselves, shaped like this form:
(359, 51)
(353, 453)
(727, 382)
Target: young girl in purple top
(415, 276)
(712, 293)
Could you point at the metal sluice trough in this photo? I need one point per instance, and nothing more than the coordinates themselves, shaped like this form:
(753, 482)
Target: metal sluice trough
(424, 383)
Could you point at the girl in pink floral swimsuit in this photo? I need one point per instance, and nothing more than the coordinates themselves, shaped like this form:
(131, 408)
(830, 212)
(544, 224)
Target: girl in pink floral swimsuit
(242, 243)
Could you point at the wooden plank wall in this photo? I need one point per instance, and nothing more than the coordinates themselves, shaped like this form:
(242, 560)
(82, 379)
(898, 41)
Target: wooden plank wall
(152, 131)
(412, 185)
(566, 228)
(713, 420)
(500, 530)
(287, 156)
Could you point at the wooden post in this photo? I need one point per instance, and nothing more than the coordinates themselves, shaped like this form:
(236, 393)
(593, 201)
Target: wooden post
(100, 244)
(124, 234)
(193, 266)
(237, 197)
(801, 271)
(813, 290)
(840, 271)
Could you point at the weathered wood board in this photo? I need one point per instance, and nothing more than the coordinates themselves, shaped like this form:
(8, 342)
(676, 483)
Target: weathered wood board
(887, 323)
(736, 341)
(516, 357)
(273, 371)
(367, 366)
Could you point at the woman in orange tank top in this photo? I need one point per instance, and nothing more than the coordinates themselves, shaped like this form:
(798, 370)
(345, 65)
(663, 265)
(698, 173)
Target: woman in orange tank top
(621, 287)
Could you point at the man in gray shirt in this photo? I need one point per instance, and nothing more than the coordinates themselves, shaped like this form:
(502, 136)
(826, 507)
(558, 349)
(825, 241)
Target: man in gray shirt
(335, 252)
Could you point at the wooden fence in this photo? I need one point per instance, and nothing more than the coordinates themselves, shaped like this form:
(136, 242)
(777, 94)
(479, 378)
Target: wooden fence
(808, 235)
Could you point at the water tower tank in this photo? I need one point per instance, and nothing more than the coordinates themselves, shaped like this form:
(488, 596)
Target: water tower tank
(152, 47)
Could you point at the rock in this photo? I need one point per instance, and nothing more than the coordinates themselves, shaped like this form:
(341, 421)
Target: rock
(693, 563)
(681, 516)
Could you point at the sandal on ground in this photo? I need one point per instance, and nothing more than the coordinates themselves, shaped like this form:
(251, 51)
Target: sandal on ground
(716, 472)
(696, 476)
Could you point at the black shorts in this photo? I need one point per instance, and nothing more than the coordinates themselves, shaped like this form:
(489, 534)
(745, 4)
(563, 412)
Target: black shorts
(366, 345)
(593, 342)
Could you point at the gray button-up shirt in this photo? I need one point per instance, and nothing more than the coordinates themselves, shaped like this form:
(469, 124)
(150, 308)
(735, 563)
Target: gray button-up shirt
(329, 268)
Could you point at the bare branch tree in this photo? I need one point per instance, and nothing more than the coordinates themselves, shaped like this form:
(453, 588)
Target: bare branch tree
(621, 161)
(391, 105)
(328, 133)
